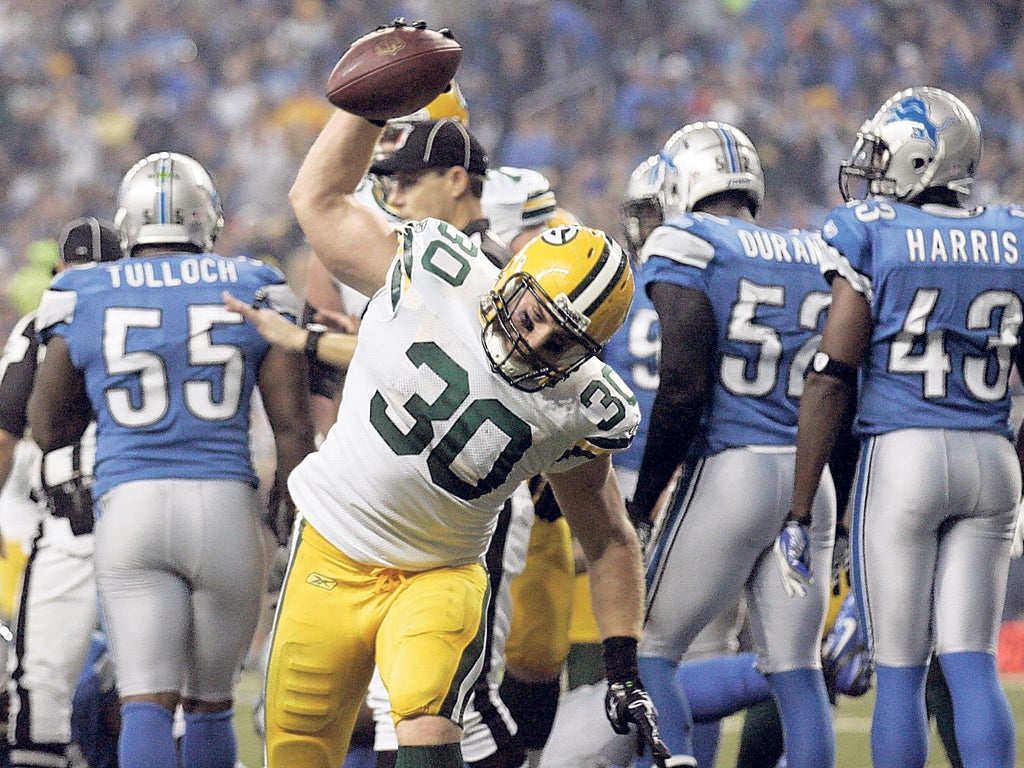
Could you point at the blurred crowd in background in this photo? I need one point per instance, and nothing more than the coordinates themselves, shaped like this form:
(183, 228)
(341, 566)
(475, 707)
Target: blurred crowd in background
(579, 89)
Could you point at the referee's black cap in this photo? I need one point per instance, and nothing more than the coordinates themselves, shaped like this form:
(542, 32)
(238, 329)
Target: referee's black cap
(89, 239)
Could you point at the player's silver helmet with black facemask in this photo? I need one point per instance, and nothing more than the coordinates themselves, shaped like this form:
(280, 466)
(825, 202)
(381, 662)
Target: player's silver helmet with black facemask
(920, 138)
(641, 208)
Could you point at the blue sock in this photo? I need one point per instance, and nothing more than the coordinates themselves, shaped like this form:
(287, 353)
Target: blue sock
(674, 720)
(899, 727)
(985, 733)
(705, 743)
(721, 686)
(210, 740)
(146, 739)
(806, 717)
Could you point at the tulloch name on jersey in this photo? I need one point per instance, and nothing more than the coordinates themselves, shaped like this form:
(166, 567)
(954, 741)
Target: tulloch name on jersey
(172, 272)
(976, 246)
(795, 247)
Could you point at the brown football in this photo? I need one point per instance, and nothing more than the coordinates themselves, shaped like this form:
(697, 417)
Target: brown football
(394, 71)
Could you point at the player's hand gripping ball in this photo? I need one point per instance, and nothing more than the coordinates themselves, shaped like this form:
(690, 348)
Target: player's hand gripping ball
(394, 71)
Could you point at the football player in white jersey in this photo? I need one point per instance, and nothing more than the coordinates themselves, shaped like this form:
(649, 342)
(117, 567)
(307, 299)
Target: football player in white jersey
(518, 203)
(925, 324)
(465, 382)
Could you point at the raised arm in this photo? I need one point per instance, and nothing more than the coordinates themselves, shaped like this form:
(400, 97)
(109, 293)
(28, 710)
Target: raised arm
(354, 243)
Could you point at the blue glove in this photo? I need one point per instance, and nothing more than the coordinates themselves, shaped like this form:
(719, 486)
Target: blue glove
(793, 553)
(845, 660)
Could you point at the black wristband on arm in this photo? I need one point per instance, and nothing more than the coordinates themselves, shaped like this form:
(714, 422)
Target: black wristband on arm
(826, 366)
(620, 663)
(313, 334)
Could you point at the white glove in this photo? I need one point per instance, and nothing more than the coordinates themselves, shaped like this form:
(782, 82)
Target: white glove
(1017, 544)
(793, 553)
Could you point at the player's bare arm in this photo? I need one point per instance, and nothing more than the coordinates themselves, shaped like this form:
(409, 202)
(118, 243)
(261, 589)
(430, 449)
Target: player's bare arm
(58, 410)
(354, 244)
(283, 389)
(688, 334)
(827, 392)
(591, 501)
(331, 347)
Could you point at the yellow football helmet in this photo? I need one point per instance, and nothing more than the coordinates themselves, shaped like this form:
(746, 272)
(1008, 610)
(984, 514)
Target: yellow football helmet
(582, 279)
(451, 103)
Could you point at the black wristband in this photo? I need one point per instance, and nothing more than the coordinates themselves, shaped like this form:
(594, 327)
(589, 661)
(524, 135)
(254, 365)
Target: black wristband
(826, 366)
(313, 334)
(620, 663)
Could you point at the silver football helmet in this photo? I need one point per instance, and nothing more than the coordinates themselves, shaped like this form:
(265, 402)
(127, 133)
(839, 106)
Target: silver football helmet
(921, 137)
(641, 207)
(167, 198)
(706, 158)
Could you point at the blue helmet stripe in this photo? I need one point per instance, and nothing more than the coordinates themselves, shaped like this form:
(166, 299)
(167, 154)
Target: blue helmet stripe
(163, 181)
(730, 151)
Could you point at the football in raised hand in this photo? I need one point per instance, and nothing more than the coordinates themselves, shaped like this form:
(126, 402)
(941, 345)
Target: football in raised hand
(394, 71)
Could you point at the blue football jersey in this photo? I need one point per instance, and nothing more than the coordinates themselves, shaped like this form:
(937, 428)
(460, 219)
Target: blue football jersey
(169, 370)
(633, 353)
(945, 286)
(769, 300)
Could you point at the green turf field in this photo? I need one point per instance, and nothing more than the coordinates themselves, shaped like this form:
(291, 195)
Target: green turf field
(852, 723)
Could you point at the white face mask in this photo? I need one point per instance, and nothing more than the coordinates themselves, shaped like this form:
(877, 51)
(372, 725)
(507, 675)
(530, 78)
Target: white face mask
(509, 353)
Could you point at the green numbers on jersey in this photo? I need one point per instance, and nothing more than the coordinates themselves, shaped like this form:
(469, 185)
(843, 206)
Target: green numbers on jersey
(449, 259)
(444, 454)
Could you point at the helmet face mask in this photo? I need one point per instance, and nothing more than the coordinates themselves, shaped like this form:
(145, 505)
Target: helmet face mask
(920, 138)
(573, 280)
(168, 198)
(510, 353)
(705, 158)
